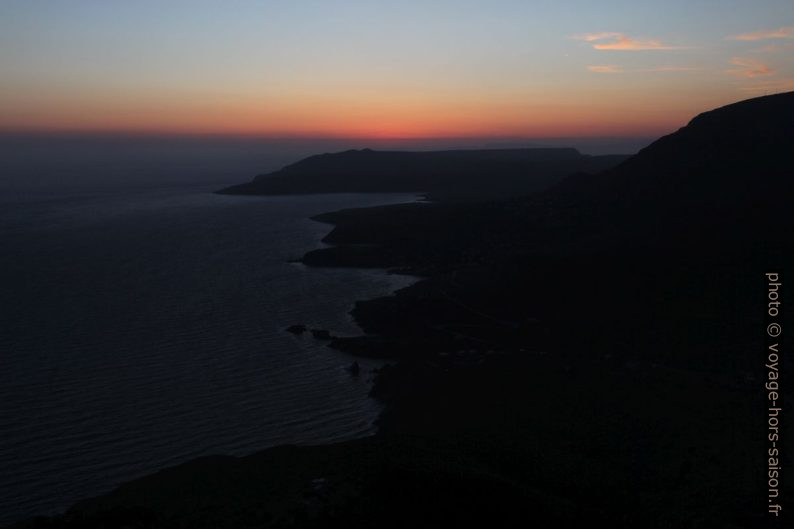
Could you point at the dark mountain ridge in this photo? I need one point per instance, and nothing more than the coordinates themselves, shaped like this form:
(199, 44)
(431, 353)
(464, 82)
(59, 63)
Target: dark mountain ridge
(448, 174)
(726, 178)
(737, 154)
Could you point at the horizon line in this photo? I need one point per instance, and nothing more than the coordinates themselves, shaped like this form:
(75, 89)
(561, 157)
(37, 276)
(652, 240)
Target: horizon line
(118, 133)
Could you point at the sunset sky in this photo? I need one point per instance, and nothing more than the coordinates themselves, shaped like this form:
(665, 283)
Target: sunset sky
(386, 69)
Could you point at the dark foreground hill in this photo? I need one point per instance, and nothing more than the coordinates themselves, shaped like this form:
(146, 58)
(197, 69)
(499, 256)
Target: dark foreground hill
(592, 355)
(461, 174)
(735, 155)
(727, 178)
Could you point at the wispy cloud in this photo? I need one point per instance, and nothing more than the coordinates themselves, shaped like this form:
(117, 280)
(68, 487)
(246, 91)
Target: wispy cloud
(611, 68)
(590, 37)
(670, 69)
(749, 68)
(786, 32)
(605, 68)
(618, 41)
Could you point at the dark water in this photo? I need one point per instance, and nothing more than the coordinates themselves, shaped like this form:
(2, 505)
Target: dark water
(143, 328)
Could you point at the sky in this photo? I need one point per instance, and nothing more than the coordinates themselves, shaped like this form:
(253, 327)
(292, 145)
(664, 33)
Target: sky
(385, 69)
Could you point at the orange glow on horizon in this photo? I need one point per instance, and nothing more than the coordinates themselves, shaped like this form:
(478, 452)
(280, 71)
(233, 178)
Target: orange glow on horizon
(384, 131)
(399, 70)
(349, 119)
(608, 106)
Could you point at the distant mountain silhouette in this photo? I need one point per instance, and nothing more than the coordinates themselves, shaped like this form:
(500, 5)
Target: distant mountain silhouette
(449, 174)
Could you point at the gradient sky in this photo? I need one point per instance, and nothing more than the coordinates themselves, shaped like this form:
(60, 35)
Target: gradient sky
(384, 69)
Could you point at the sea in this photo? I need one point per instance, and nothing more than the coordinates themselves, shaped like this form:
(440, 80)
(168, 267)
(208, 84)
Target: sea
(142, 317)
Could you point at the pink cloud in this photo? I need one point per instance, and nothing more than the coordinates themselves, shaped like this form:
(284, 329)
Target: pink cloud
(619, 41)
(780, 33)
(590, 37)
(605, 68)
(749, 68)
(611, 68)
(670, 69)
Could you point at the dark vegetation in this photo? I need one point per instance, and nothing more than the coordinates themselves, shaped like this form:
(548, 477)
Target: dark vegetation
(589, 354)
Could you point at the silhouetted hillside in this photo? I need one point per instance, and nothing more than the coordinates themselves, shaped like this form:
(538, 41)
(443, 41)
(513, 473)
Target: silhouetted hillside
(447, 174)
(726, 178)
(727, 157)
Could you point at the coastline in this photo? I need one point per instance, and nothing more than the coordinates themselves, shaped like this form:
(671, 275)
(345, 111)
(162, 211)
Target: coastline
(535, 384)
(351, 411)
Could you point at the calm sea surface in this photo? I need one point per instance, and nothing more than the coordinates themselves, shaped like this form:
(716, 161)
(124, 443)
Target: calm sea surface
(142, 326)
